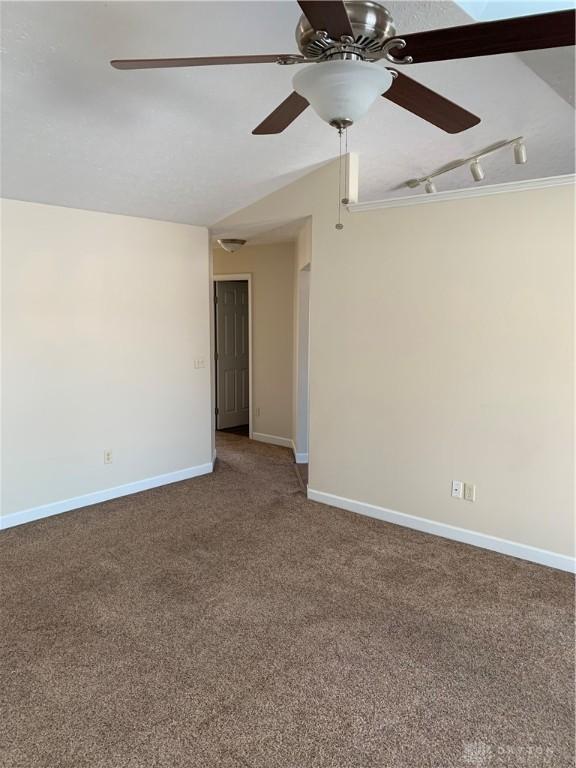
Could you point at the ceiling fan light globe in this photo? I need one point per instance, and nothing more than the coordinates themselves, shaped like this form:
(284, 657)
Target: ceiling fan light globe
(342, 90)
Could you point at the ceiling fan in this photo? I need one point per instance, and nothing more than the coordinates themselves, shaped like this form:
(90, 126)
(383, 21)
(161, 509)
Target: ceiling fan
(344, 40)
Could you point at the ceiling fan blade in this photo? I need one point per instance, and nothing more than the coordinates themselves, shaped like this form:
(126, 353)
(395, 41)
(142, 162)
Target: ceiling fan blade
(328, 16)
(524, 33)
(283, 115)
(429, 105)
(202, 61)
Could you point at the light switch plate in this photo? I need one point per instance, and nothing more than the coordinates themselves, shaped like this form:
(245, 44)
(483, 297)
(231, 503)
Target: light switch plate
(469, 492)
(457, 489)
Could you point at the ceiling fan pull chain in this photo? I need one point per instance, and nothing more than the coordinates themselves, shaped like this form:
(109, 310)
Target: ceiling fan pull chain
(345, 199)
(339, 225)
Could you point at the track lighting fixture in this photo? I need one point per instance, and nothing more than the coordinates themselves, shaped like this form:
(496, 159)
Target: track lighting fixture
(477, 170)
(520, 156)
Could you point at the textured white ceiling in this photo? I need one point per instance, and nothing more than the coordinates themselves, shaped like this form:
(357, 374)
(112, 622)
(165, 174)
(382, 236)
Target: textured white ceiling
(177, 144)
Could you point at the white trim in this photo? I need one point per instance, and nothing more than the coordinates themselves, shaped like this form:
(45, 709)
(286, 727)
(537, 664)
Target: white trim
(97, 497)
(299, 458)
(301, 378)
(460, 194)
(285, 442)
(483, 540)
(237, 277)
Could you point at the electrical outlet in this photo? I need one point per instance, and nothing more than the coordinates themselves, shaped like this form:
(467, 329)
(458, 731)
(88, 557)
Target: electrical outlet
(107, 457)
(469, 492)
(457, 489)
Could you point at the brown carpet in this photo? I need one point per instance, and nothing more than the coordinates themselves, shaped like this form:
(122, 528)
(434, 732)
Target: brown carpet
(227, 621)
(302, 472)
(243, 429)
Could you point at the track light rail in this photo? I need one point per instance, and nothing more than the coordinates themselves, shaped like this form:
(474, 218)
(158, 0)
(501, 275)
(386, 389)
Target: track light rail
(520, 157)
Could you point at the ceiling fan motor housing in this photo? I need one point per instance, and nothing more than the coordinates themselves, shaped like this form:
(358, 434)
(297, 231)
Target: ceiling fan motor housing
(371, 23)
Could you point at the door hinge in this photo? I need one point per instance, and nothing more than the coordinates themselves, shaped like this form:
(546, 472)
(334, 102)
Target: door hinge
(216, 411)
(216, 355)
(215, 299)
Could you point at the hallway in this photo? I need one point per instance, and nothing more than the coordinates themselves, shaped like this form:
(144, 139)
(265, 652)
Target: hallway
(228, 621)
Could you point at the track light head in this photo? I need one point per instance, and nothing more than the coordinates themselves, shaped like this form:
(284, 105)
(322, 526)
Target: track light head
(430, 187)
(520, 156)
(477, 171)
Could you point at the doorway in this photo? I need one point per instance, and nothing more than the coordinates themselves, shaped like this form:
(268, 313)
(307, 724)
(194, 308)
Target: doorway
(232, 336)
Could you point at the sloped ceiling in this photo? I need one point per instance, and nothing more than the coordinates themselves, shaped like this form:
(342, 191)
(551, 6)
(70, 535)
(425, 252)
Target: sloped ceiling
(177, 144)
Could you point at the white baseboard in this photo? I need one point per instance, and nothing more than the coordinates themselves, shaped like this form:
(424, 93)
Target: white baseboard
(495, 544)
(57, 507)
(285, 442)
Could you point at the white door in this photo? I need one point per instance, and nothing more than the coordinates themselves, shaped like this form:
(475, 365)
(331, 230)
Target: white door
(232, 384)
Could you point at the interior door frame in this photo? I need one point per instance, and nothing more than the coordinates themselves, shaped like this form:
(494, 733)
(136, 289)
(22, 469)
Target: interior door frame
(245, 277)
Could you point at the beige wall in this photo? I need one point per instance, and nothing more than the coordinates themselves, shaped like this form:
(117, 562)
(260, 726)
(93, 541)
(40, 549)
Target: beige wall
(442, 348)
(103, 317)
(272, 270)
